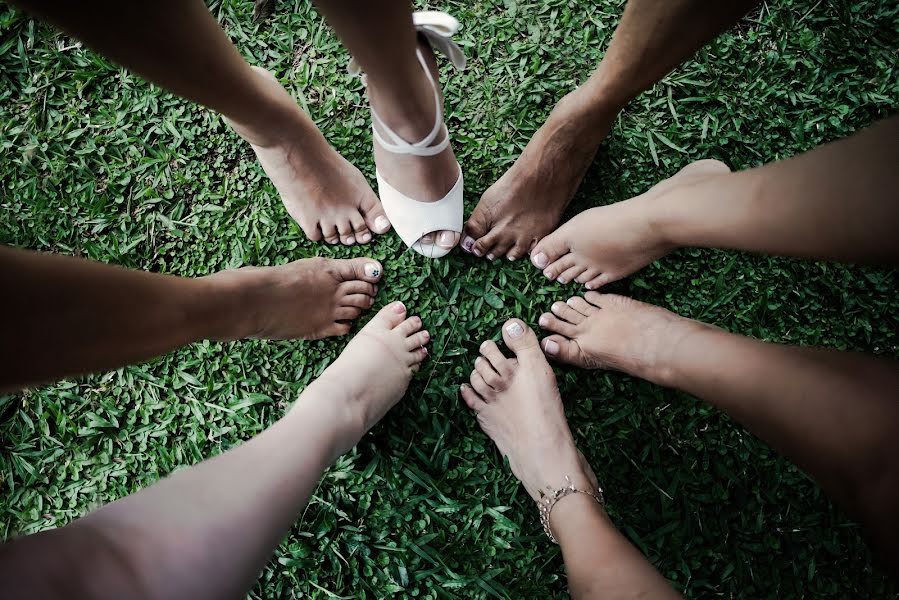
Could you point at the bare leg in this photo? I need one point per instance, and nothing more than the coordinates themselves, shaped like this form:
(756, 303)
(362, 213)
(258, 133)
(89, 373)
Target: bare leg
(380, 36)
(207, 531)
(836, 414)
(67, 316)
(519, 407)
(179, 46)
(526, 203)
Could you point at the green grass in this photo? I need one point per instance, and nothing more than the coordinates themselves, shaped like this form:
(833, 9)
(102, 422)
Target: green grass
(95, 162)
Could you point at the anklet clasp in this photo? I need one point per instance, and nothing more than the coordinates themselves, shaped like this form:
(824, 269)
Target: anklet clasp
(548, 501)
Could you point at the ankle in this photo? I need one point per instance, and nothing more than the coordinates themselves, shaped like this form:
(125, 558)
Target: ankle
(676, 349)
(408, 110)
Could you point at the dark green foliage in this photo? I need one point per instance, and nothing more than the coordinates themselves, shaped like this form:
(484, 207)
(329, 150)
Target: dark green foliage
(95, 162)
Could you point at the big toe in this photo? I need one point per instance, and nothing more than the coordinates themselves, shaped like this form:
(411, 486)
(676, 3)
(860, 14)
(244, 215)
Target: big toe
(521, 340)
(447, 239)
(476, 228)
(561, 349)
(364, 269)
(549, 249)
(374, 215)
(389, 317)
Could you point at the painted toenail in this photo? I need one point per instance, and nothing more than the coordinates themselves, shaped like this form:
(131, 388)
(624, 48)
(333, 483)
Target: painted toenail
(570, 302)
(467, 243)
(589, 286)
(562, 280)
(382, 224)
(446, 239)
(491, 257)
(551, 347)
(372, 270)
(351, 240)
(540, 260)
(399, 308)
(514, 330)
(426, 336)
(365, 237)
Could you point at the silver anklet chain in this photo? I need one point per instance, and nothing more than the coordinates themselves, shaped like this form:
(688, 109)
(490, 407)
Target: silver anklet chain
(548, 501)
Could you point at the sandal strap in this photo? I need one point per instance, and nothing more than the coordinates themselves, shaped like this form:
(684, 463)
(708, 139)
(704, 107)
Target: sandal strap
(437, 28)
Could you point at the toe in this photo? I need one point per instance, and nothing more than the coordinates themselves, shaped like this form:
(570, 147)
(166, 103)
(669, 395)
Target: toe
(345, 231)
(348, 288)
(447, 239)
(480, 386)
(310, 228)
(500, 363)
(590, 274)
(551, 322)
(548, 250)
(488, 374)
(500, 248)
(599, 281)
(484, 246)
(362, 301)
(559, 266)
(521, 340)
(566, 313)
(571, 273)
(329, 233)
(596, 299)
(561, 349)
(390, 316)
(337, 330)
(409, 326)
(580, 305)
(361, 269)
(373, 213)
(360, 229)
(416, 356)
(516, 251)
(347, 313)
(418, 340)
(476, 228)
(471, 398)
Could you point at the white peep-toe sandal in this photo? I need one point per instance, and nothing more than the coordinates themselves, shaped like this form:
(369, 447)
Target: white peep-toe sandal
(411, 218)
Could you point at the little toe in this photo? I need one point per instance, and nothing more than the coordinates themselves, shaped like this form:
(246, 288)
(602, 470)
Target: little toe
(571, 273)
(362, 301)
(488, 374)
(337, 330)
(559, 266)
(566, 313)
(418, 340)
(561, 349)
(490, 351)
(551, 322)
(548, 250)
(471, 398)
(311, 229)
(409, 326)
(580, 305)
(363, 269)
(480, 386)
(521, 340)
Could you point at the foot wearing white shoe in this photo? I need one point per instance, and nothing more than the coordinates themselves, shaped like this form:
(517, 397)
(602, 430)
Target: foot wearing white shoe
(327, 196)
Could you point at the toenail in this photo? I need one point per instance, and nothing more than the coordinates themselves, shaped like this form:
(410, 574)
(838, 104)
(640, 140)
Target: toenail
(382, 224)
(446, 239)
(399, 308)
(512, 257)
(371, 270)
(365, 237)
(514, 330)
(467, 243)
(540, 260)
(478, 361)
(334, 241)
(477, 252)
(491, 257)
(569, 301)
(376, 289)
(549, 274)
(426, 336)
(551, 347)
(589, 285)
(543, 321)
(562, 280)
(350, 240)
(483, 346)
(424, 350)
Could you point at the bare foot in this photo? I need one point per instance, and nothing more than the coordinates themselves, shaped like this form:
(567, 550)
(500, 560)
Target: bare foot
(605, 331)
(424, 178)
(527, 202)
(311, 298)
(326, 195)
(607, 243)
(373, 371)
(519, 407)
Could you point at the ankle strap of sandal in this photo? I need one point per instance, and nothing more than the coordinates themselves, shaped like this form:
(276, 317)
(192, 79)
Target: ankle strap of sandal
(437, 28)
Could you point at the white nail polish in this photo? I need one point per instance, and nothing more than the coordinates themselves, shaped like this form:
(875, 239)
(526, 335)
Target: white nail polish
(514, 330)
(382, 224)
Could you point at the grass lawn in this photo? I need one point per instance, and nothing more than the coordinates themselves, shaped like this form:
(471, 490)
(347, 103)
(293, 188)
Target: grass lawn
(97, 163)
